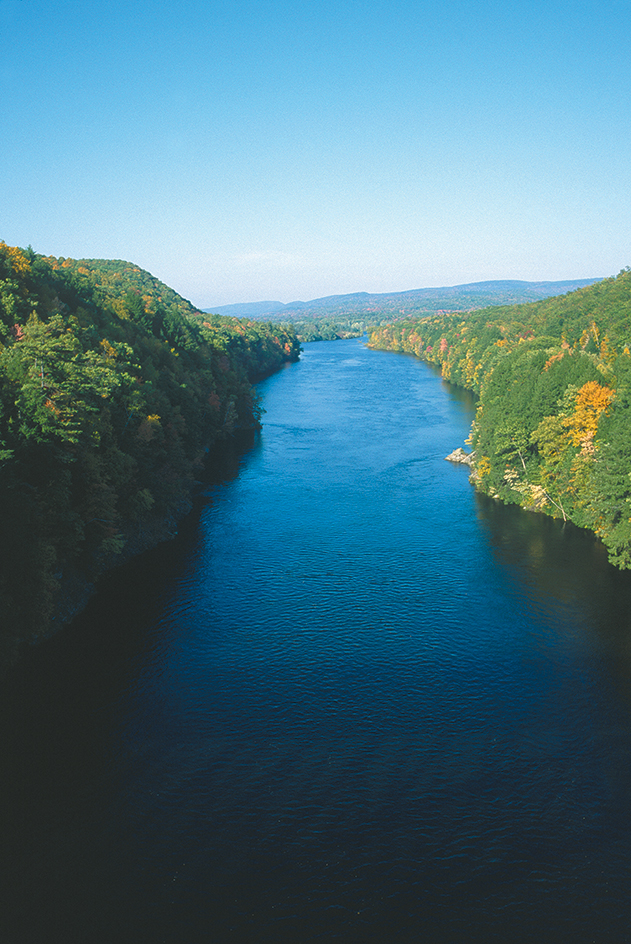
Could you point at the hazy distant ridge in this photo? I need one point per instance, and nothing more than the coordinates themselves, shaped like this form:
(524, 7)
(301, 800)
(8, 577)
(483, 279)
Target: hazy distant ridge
(453, 298)
(246, 309)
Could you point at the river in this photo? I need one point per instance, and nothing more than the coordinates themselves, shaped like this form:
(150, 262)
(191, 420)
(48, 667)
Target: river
(352, 702)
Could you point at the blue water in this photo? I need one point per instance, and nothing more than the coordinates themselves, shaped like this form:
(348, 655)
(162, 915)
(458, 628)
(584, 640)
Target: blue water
(352, 702)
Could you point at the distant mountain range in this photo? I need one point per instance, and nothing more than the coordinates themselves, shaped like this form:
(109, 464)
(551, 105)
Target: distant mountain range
(396, 305)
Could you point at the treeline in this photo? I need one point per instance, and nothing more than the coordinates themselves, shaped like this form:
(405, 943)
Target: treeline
(328, 329)
(552, 430)
(109, 400)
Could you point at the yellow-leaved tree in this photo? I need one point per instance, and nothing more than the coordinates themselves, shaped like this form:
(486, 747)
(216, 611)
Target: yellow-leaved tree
(591, 401)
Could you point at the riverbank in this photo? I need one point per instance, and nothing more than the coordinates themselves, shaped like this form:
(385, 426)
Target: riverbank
(552, 430)
(76, 588)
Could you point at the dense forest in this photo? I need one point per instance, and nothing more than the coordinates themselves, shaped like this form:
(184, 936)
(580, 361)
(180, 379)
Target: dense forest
(552, 430)
(112, 390)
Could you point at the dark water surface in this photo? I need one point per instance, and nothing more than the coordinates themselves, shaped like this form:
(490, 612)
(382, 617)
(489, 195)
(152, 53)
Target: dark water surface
(352, 702)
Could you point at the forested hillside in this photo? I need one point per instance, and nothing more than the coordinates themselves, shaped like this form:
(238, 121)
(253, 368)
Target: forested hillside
(553, 426)
(110, 396)
(117, 283)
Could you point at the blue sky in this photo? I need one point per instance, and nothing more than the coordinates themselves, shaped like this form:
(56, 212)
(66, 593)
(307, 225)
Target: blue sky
(250, 150)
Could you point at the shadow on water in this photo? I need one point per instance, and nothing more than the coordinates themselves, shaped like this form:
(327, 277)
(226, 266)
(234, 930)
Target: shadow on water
(563, 573)
(59, 766)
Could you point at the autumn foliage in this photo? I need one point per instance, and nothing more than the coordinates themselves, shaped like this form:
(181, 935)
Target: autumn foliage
(591, 400)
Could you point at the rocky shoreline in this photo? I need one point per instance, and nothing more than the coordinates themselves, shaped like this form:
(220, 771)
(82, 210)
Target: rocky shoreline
(461, 457)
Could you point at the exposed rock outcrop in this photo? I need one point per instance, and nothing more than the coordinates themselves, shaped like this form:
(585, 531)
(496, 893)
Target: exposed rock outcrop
(460, 456)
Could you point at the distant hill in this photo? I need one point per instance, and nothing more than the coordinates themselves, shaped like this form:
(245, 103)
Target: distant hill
(371, 307)
(263, 310)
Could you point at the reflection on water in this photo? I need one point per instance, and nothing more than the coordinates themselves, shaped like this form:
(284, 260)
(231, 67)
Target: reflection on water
(352, 701)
